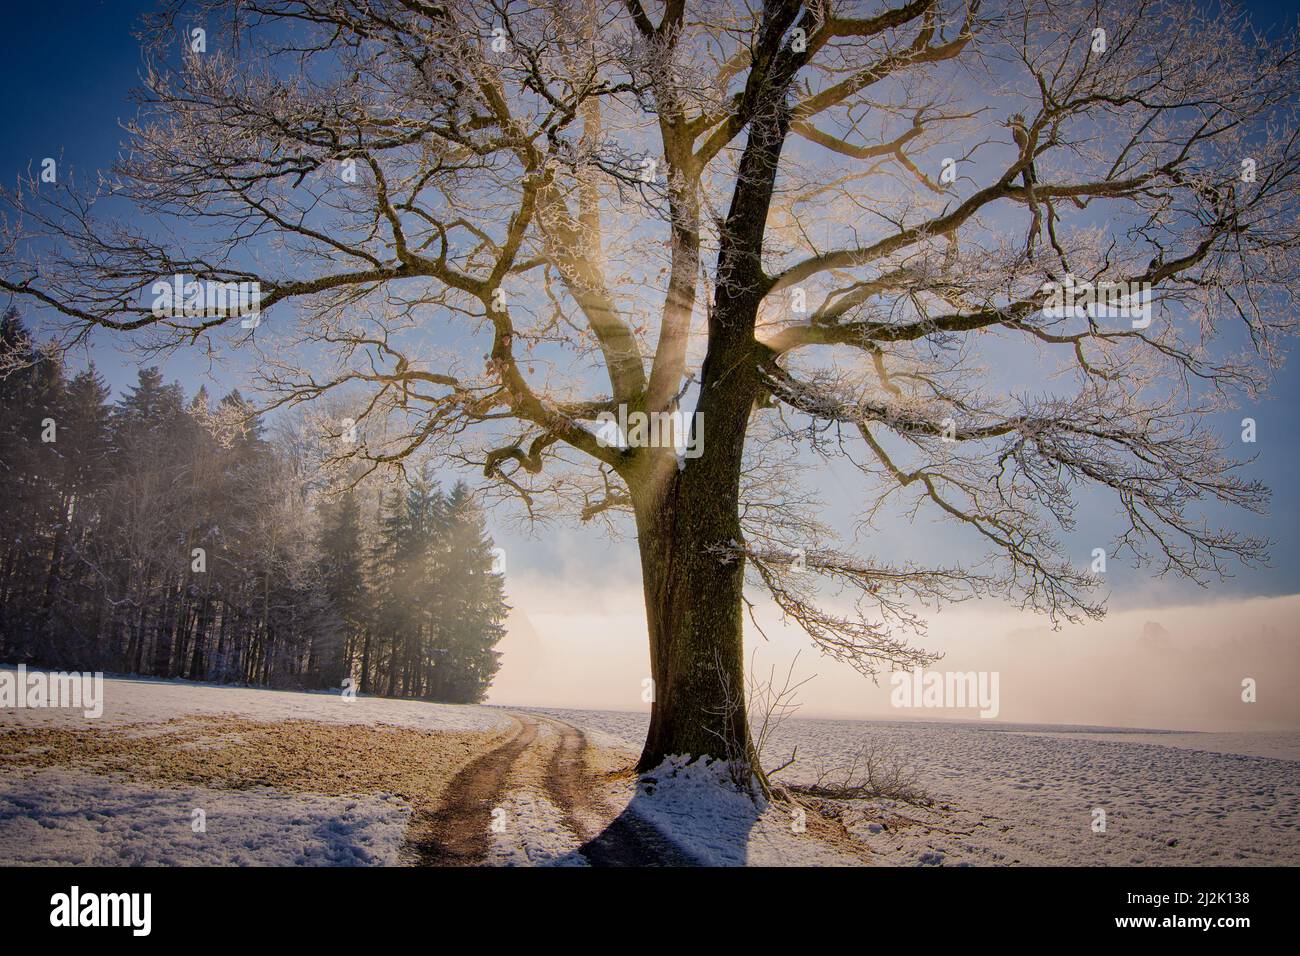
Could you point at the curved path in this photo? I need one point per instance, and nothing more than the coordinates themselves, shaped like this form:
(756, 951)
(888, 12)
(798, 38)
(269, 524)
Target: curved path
(458, 833)
(627, 840)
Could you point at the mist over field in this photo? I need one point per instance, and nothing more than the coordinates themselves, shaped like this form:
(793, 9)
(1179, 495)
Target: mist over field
(1177, 667)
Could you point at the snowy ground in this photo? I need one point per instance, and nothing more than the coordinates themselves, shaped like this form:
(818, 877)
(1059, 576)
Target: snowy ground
(692, 810)
(130, 700)
(721, 827)
(280, 778)
(312, 779)
(1015, 794)
(73, 817)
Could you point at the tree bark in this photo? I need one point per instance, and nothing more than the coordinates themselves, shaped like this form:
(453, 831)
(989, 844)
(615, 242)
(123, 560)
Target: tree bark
(688, 519)
(693, 590)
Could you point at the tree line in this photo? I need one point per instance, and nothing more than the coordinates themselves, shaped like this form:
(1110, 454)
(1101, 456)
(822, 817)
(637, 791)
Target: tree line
(175, 537)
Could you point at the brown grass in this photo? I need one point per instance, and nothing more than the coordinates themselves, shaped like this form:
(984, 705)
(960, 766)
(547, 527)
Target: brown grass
(229, 753)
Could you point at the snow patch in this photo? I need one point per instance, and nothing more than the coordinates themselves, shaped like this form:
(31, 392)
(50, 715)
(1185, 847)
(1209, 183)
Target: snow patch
(699, 808)
(1023, 794)
(132, 700)
(73, 818)
(535, 834)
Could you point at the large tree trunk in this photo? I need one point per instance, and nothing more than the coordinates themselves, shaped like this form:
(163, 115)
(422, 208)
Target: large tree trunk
(693, 609)
(688, 530)
(688, 520)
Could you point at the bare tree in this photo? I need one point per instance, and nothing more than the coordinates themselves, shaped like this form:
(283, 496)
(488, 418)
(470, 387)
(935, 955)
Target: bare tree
(495, 223)
(875, 770)
(768, 706)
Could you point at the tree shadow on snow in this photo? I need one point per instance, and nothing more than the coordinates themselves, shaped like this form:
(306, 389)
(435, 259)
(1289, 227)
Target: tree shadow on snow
(677, 821)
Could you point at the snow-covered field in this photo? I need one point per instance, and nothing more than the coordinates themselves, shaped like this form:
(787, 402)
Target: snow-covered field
(73, 817)
(132, 700)
(177, 773)
(133, 803)
(1016, 794)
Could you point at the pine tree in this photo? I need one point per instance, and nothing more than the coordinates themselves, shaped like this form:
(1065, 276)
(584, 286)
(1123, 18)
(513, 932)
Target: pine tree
(70, 616)
(159, 536)
(31, 395)
(473, 612)
(342, 568)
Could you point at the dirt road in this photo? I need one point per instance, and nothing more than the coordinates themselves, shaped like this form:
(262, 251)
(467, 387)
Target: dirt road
(458, 833)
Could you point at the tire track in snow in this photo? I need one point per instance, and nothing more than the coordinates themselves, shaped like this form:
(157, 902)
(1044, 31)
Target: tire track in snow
(457, 833)
(627, 839)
